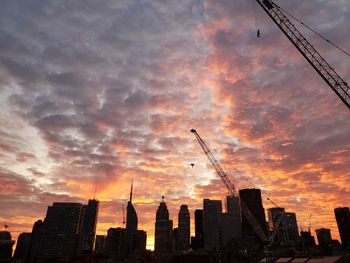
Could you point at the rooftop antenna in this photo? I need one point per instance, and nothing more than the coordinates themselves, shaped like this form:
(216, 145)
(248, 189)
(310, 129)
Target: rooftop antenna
(162, 198)
(132, 183)
(95, 191)
(310, 223)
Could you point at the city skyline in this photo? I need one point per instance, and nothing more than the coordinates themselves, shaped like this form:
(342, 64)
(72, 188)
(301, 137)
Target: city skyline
(223, 212)
(94, 94)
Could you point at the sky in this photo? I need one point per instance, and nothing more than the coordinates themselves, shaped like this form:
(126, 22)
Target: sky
(95, 93)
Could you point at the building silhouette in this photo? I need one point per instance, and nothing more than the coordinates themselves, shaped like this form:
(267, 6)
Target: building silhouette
(324, 239)
(274, 215)
(100, 245)
(307, 242)
(323, 236)
(61, 232)
(234, 210)
(64, 235)
(141, 240)
(89, 225)
(198, 240)
(6, 245)
(176, 239)
(115, 243)
(22, 247)
(252, 242)
(34, 245)
(163, 230)
(184, 228)
(342, 216)
(212, 210)
(131, 225)
(292, 228)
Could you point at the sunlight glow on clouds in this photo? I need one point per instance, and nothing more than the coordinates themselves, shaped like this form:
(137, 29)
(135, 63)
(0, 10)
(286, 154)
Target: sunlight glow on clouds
(93, 94)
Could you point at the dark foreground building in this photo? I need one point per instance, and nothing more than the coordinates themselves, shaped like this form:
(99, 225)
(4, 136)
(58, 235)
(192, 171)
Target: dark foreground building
(342, 215)
(67, 232)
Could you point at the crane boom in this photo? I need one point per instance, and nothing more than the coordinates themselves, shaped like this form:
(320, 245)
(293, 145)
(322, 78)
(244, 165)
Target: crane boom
(335, 82)
(231, 188)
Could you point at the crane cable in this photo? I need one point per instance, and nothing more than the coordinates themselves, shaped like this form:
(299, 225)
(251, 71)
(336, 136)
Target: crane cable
(317, 33)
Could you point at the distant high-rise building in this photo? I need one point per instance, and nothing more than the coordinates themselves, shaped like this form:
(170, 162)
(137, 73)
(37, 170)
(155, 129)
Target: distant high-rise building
(253, 201)
(64, 235)
(6, 245)
(212, 210)
(274, 215)
(141, 240)
(176, 239)
(34, 246)
(233, 209)
(62, 231)
(163, 230)
(342, 215)
(89, 225)
(324, 237)
(252, 242)
(100, 244)
(228, 231)
(131, 225)
(292, 228)
(198, 240)
(307, 241)
(22, 247)
(115, 245)
(184, 228)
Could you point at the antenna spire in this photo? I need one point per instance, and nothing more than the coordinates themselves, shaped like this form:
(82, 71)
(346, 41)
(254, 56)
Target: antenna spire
(132, 183)
(95, 191)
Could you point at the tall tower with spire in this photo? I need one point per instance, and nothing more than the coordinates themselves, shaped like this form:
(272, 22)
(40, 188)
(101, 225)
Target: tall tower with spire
(163, 230)
(131, 224)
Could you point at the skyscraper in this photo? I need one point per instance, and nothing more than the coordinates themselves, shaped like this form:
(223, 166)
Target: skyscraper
(61, 232)
(100, 244)
(115, 244)
(184, 228)
(89, 225)
(252, 200)
(34, 246)
(64, 235)
(141, 240)
(6, 245)
(198, 240)
(22, 247)
(342, 215)
(131, 225)
(323, 236)
(163, 230)
(233, 209)
(274, 215)
(292, 228)
(212, 210)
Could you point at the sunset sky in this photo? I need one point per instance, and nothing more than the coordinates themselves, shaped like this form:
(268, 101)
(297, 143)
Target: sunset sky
(95, 93)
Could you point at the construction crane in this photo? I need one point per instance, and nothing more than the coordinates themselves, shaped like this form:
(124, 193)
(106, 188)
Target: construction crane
(335, 82)
(267, 241)
(282, 232)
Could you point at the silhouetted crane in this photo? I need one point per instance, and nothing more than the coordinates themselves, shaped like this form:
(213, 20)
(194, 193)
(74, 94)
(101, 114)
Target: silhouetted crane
(335, 82)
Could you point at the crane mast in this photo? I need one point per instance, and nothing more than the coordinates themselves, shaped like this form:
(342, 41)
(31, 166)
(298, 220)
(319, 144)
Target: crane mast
(335, 82)
(231, 188)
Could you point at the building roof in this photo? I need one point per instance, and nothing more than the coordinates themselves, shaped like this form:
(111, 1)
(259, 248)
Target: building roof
(324, 260)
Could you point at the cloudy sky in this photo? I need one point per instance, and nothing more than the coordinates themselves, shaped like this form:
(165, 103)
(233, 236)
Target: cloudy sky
(94, 93)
